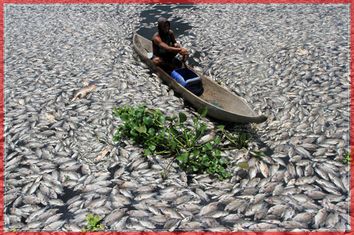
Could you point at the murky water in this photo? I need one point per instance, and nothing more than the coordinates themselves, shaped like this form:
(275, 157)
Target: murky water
(150, 18)
(148, 26)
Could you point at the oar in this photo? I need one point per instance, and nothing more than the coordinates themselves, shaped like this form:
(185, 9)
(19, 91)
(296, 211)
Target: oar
(184, 62)
(184, 65)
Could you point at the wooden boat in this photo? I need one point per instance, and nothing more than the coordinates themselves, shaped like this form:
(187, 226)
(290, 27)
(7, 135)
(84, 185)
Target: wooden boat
(220, 103)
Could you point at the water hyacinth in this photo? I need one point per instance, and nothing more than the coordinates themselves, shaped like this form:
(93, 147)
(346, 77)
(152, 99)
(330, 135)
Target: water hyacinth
(166, 135)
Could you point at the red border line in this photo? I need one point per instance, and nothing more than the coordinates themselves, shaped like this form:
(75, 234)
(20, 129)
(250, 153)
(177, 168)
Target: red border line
(179, 233)
(165, 2)
(179, 1)
(351, 131)
(2, 110)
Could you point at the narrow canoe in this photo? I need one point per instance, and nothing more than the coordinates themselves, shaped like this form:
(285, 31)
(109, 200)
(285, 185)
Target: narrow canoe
(220, 103)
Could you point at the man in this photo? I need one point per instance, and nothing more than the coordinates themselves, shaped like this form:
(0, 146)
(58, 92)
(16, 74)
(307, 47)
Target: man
(165, 47)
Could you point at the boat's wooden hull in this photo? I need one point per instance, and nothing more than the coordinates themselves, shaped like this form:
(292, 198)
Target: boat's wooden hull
(221, 103)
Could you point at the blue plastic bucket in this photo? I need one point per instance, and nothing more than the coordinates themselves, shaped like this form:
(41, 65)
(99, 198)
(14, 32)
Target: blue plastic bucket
(188, 79)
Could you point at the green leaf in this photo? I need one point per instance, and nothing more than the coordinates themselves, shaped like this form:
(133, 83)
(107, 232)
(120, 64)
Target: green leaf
(173, 145)
(195, 169)
(205, 160)
(183, 158)
(196, 152)
(151, 131)
(217, 152)
(203, 111)
(162, 119)
(133, 132)
(222, 161)
(200, 130)
(221, 127)
(182, 117)
(147, 152)
(93, 223)
(346, 158)
(147, 121)
(141, 129)
(195, 121)
(124, 117)
(152, 147)
(174, 131)
(217, 140)
(209, 146)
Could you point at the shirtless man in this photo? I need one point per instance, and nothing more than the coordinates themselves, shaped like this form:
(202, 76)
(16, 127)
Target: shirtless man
(165, 47)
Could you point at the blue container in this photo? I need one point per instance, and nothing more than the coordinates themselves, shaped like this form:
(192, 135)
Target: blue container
(184, 76)
(189, 80)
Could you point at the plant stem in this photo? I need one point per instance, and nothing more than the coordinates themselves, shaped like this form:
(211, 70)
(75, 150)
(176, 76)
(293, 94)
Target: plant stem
(169, 164)
(162, 152)
(230, 139)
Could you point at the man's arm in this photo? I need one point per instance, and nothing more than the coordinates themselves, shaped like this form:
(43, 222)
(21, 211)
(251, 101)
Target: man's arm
(166, 47)
(172, 37)
(175, 43)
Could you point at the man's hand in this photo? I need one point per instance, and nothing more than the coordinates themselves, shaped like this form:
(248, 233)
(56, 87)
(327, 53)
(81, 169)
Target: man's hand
(183, 51)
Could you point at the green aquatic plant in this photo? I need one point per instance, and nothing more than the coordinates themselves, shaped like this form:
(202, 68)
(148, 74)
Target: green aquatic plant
(93, 223)
(171, 136)
(346, 158)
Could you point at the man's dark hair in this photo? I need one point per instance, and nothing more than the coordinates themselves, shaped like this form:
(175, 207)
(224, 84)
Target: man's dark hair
(160, 24)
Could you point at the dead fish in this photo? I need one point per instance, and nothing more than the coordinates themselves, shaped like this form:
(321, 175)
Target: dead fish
(172, 224)
(194, 225)
(320, 218)
(254, 208)
(332, 220)
(147, 224)
(54, 226)
(293, 225)
(278, 210)
(262, 227)
(337, 181)
(120, 224)
(34, 215)
(31, 199)
(50, 118)
(321, 173)
(211, 207)
(303, 217)
(138, 213)
(171, 213)
(193, 208)
(72, 228)
(84, 91)
(183, 199)
(263, 169)
(231, 218)
(103, 153)
(206, 138)
(316, 194)
(114, 216)
(305, 180)
(144, 196)
(53, 218)
(56, 202)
